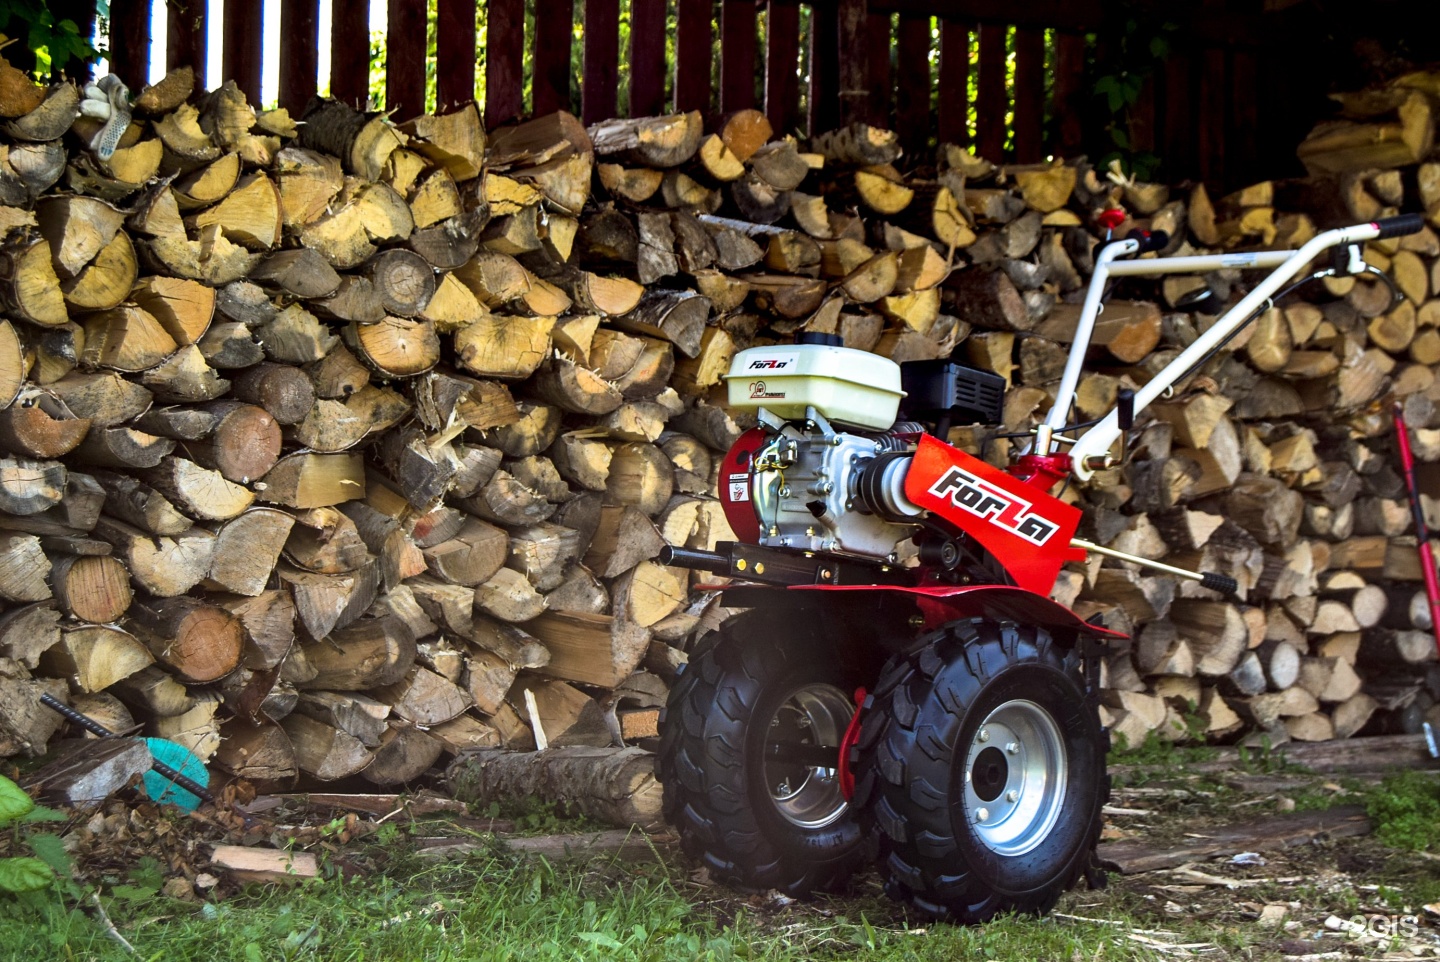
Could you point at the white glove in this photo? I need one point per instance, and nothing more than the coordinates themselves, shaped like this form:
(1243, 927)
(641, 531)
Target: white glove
(107, 99)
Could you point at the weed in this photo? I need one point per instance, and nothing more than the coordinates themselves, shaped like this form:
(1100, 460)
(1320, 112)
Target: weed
(1405, 810)
(539, 817)
(49, 865)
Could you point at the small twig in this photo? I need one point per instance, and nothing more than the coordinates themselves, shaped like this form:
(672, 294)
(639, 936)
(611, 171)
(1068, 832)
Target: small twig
(1080, 918)
(385, 818)
(109, 926)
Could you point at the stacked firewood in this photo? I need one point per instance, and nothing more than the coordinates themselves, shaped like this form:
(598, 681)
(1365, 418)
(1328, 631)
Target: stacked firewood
(333, 447)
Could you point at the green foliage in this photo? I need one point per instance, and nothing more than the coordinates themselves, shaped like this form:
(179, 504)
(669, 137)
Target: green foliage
(1405, 810)
(1136, 41)
(55, 42)
(21, 873)
(541, 818)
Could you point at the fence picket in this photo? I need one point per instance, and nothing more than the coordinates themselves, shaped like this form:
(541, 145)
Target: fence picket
(990, 102)
(824, 97)
(1068, 97)
(350, 51)
(694, 38)
(782, 48)
(954, 99)
(1210, 119)
(299, 59)
(912, 88)
(914, 76)
(1244, 113)
(130, 43)
(737, 55)
(879, 80)
(1029, 94)
(243, 47)
(647, 57)
(602, 56)
(504, 61)
(405, 60)
(454, 53)
(551, 56)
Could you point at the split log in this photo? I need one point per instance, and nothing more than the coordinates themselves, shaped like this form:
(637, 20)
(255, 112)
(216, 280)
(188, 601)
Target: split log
(200, 642)
(617, 786)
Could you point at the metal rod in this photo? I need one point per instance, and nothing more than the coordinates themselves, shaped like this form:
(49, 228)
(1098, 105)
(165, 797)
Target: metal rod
(1422, 531)
(1199, 263)
(95, 728)
(1136, 559)
(1084, 330)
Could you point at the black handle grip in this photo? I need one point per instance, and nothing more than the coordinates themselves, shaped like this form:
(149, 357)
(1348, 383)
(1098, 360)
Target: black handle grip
(713, 562)
(1224, 584)
(1400, 226)
(1125, 408)
(1150, 240)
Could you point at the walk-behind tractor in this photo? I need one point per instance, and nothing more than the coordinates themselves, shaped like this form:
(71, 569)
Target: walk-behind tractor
(901, 689)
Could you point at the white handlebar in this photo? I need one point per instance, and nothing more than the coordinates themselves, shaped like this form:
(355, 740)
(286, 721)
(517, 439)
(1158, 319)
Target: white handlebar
(1098, 440)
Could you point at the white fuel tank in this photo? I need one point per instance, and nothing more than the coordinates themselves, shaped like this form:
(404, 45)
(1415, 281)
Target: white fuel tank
(849, 388)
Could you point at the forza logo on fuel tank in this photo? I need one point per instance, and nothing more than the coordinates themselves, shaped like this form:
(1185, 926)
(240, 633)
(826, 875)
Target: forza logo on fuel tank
(999, 507)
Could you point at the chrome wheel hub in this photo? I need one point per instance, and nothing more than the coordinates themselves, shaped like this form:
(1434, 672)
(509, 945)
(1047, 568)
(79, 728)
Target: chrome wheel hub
(1015, 777)
(802, 755)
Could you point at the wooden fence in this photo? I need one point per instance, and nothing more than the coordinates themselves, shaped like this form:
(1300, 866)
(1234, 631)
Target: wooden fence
(1011, 77)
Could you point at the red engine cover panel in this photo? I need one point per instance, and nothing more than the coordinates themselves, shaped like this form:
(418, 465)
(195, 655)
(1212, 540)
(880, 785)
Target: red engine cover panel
(1027, 530)
(735, 485)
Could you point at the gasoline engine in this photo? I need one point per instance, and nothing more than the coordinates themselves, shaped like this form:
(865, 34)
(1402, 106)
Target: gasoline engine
(825, 469)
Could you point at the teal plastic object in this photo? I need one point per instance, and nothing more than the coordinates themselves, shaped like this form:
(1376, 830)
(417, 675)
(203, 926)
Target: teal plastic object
(180, 758)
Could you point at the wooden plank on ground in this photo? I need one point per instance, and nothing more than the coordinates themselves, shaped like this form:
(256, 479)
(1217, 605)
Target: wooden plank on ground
(625, 845)
(1132, 856)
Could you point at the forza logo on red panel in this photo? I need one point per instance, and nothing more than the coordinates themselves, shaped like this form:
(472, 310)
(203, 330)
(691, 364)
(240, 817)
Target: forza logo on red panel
(999, 507)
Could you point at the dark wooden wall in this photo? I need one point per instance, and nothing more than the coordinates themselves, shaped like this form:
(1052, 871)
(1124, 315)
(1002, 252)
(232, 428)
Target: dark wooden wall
(1016, 79)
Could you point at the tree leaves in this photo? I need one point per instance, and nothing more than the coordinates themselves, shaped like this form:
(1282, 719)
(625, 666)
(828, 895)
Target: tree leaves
(24, 875)
(14, 803)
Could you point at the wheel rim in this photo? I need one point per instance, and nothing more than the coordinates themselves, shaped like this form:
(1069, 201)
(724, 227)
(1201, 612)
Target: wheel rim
(808, 724)
(1015, 774)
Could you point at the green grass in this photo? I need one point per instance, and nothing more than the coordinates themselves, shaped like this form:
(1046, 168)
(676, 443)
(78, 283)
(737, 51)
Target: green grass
(1405, 809)
(496, 906)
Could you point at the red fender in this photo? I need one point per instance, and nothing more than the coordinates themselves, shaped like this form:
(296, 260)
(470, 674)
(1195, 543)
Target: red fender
(944, 603)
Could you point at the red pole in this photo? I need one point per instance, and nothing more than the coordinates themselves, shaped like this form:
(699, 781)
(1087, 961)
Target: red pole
(1422, 534)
